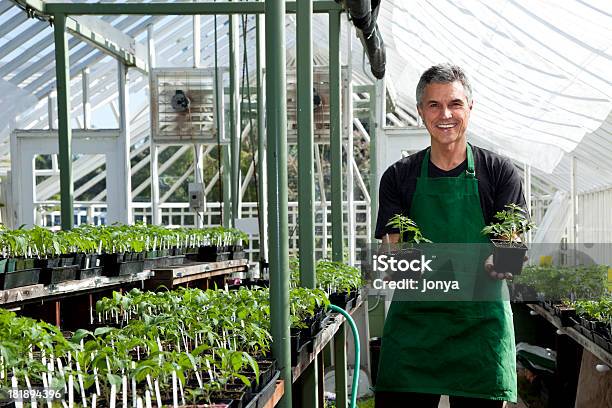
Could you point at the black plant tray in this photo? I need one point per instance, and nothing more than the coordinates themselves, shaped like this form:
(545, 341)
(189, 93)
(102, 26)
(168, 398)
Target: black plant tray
(602, 342)
(57, 275)
(237, 255)
(26, 277)
(175, 260)
(209, 254)
(154, 263)
(123, 268)
(266, 392)
(89, 273)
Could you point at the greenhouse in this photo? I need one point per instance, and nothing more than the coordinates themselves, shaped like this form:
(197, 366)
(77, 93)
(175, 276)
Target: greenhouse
(310, 203)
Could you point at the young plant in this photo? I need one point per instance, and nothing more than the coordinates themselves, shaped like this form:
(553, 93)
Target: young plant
(407, 227)
(512, 223)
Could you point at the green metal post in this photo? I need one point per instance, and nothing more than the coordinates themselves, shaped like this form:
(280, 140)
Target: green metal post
(305, 115)
(340, 366)
(261, 141)
(234, 110)
(336, 188)
(276, 111)
(335, 119)
(63, 115)
(305, 143)
(373, 163)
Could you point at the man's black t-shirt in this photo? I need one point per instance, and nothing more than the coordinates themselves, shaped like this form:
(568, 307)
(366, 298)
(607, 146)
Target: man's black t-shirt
(499, 184)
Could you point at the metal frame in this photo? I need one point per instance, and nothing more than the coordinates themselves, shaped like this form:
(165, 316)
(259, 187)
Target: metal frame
(26, 144)
(276, 147)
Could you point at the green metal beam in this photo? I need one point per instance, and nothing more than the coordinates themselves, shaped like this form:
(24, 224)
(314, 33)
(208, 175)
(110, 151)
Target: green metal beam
(276, 119)
(63, 115)
(205, 8)
(234, 111)
(335, 136)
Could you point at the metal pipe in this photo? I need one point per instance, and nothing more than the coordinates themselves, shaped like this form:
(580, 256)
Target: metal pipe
(153, 148)
(203, 8)
(85, 96)
(276, 109)
(261, 140)
(348, 129)
(234, 111)
(62, 65)
(373, 163)
(335, 134)
(305, 143)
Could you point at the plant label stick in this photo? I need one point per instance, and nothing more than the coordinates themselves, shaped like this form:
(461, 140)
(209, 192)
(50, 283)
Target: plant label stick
(148, 398)
(124, 391)
(182, 392)
(70, 391)
(33, 397)
(81, 385)
(113, 395)
(157, 394)
(134, 395)
(18, 403)
(94, 400)
(139, 403)
(174, 390)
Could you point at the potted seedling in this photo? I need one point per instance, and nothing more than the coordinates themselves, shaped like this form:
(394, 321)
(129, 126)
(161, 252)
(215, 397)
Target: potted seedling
(409, 235)
(509, 251)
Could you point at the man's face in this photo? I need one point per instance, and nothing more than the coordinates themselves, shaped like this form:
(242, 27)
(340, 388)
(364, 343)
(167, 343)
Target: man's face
(445, 112)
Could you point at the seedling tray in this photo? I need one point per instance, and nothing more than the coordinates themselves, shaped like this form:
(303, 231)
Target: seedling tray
(123, 268)
(89, 273)
(17, 279)
(57, 275)
(237, 255)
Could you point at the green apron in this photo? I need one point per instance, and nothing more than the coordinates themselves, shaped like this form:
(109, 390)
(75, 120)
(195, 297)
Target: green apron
(451, 348)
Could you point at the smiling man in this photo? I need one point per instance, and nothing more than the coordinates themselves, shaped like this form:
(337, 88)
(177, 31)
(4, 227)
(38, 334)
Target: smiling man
(451, 190)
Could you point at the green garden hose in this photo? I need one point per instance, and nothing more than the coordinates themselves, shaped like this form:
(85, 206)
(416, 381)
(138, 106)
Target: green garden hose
(351, 322)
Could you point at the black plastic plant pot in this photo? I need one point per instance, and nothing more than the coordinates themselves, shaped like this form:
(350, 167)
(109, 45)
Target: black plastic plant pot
(150, 254)
(209, 253)
(66, 259)
(3, 262)
(91, 261)
(566, 314)
(47, 263)
(111, 259)
(57, 275)
(11, 263)
(339, 299)
(89, 273)
(508, 257)
(18, 279)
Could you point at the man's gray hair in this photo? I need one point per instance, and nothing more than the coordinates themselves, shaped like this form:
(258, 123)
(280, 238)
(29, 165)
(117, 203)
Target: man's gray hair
(443, 74)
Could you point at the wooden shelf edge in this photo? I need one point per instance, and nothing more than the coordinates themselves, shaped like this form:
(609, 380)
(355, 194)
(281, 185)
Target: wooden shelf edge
(587, 344)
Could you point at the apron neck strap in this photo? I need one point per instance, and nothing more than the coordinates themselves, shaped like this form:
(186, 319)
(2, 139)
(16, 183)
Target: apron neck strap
(469, 172)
